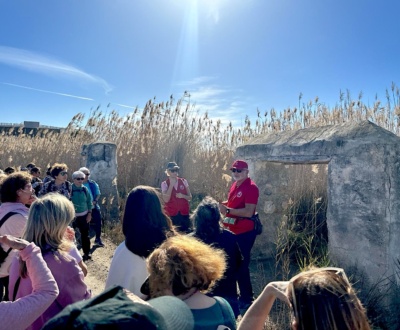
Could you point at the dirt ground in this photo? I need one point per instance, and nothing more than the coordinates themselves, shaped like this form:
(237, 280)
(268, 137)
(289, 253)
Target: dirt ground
(101, 259)
(99, 265)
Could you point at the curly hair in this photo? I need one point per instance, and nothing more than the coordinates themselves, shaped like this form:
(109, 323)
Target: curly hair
(11, 184)
(183, 262)
(325, 299)
(207, 220)
(57, 168)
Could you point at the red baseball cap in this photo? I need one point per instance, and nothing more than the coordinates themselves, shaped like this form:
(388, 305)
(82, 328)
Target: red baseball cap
(239, 164)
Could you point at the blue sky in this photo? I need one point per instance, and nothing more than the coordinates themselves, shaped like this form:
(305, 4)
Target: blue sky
(59, 58)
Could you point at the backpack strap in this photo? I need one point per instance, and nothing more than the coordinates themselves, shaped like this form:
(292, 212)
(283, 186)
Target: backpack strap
(85, 189)
(5, 218)
(2, 221)
(226, 312)
(50, 186)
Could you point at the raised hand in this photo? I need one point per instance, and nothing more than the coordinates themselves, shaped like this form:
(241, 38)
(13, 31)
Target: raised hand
(14, 242)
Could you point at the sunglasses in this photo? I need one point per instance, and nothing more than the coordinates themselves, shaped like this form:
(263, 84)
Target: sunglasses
(173, 171)
(338, 271)
(80, 179)
(335, 270)
(63, 172)
(87, 174)
(234, 170)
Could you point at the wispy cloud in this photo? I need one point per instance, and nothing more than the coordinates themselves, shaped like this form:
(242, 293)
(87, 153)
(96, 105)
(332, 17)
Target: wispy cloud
(35, 62)
(223, 103)
(197, 81)
(50, 92)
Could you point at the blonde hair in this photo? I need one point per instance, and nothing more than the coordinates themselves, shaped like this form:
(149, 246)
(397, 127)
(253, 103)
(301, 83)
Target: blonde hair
(324, 299)
(48, 219)
(183, 262)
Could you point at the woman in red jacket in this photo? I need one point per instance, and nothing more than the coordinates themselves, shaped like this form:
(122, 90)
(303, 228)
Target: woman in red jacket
(176, 195)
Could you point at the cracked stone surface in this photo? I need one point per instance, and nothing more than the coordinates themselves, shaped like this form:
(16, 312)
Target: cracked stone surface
(363, 216)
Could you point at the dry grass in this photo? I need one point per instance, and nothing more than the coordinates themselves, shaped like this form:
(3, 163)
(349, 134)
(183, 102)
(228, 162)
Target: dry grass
(165, 131)
(204, 148)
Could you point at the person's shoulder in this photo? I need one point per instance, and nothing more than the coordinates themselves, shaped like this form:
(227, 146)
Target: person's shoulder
(18, 217)
(48, 183)
(59, 262)
(128, 257)
(92, 182)
(14, 225)
(227, 233)
(252, 184)
(227, 238)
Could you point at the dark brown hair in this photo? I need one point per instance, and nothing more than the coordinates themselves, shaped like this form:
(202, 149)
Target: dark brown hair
(57, 168)
(145, 225)
(11, 184)
(206, 219)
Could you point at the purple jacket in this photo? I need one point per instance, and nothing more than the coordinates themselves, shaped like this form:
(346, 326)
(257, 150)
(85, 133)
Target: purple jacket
(20, 314)
(69, 278)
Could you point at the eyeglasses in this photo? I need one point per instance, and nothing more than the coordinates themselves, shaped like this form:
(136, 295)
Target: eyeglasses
(87, 174)
(234, 170)
(63, 172)
(173, 170)
(28, 190)
(80, 179)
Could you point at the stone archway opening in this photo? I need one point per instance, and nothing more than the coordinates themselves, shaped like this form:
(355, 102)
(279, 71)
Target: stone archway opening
(302, 232)
(363, 197)
(294, 213)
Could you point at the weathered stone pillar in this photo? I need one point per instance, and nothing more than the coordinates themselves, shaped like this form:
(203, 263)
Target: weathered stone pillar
(101, 160)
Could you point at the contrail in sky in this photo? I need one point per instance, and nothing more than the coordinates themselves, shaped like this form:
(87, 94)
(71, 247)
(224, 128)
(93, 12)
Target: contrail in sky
(46, 65)
(50, 92)
(125, 106)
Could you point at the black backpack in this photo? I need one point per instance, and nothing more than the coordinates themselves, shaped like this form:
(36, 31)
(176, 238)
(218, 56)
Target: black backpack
(4, 254)
(49, 188)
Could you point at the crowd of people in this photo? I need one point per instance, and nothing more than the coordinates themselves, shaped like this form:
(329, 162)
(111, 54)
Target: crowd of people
(174, 270)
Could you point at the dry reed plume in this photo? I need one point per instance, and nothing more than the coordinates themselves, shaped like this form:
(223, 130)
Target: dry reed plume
(148, 138)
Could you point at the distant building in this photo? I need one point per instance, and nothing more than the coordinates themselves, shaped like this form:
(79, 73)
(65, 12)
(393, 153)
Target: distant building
(32, 128)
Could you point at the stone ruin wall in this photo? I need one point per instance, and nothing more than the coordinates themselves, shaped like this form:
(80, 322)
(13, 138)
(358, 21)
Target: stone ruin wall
(101, 159)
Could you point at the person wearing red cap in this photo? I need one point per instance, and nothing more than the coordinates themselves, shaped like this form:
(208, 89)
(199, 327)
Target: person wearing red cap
(239, 208)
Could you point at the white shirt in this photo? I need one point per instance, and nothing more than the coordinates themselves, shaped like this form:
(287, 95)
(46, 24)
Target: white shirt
(127, 270)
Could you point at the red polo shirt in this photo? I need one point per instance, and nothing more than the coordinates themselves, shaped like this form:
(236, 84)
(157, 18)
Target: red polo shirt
(246, 193)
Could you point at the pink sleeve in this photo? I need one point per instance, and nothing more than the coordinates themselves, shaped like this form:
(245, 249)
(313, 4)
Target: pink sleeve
(24, 311)
(164, 186)
(74, 253)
